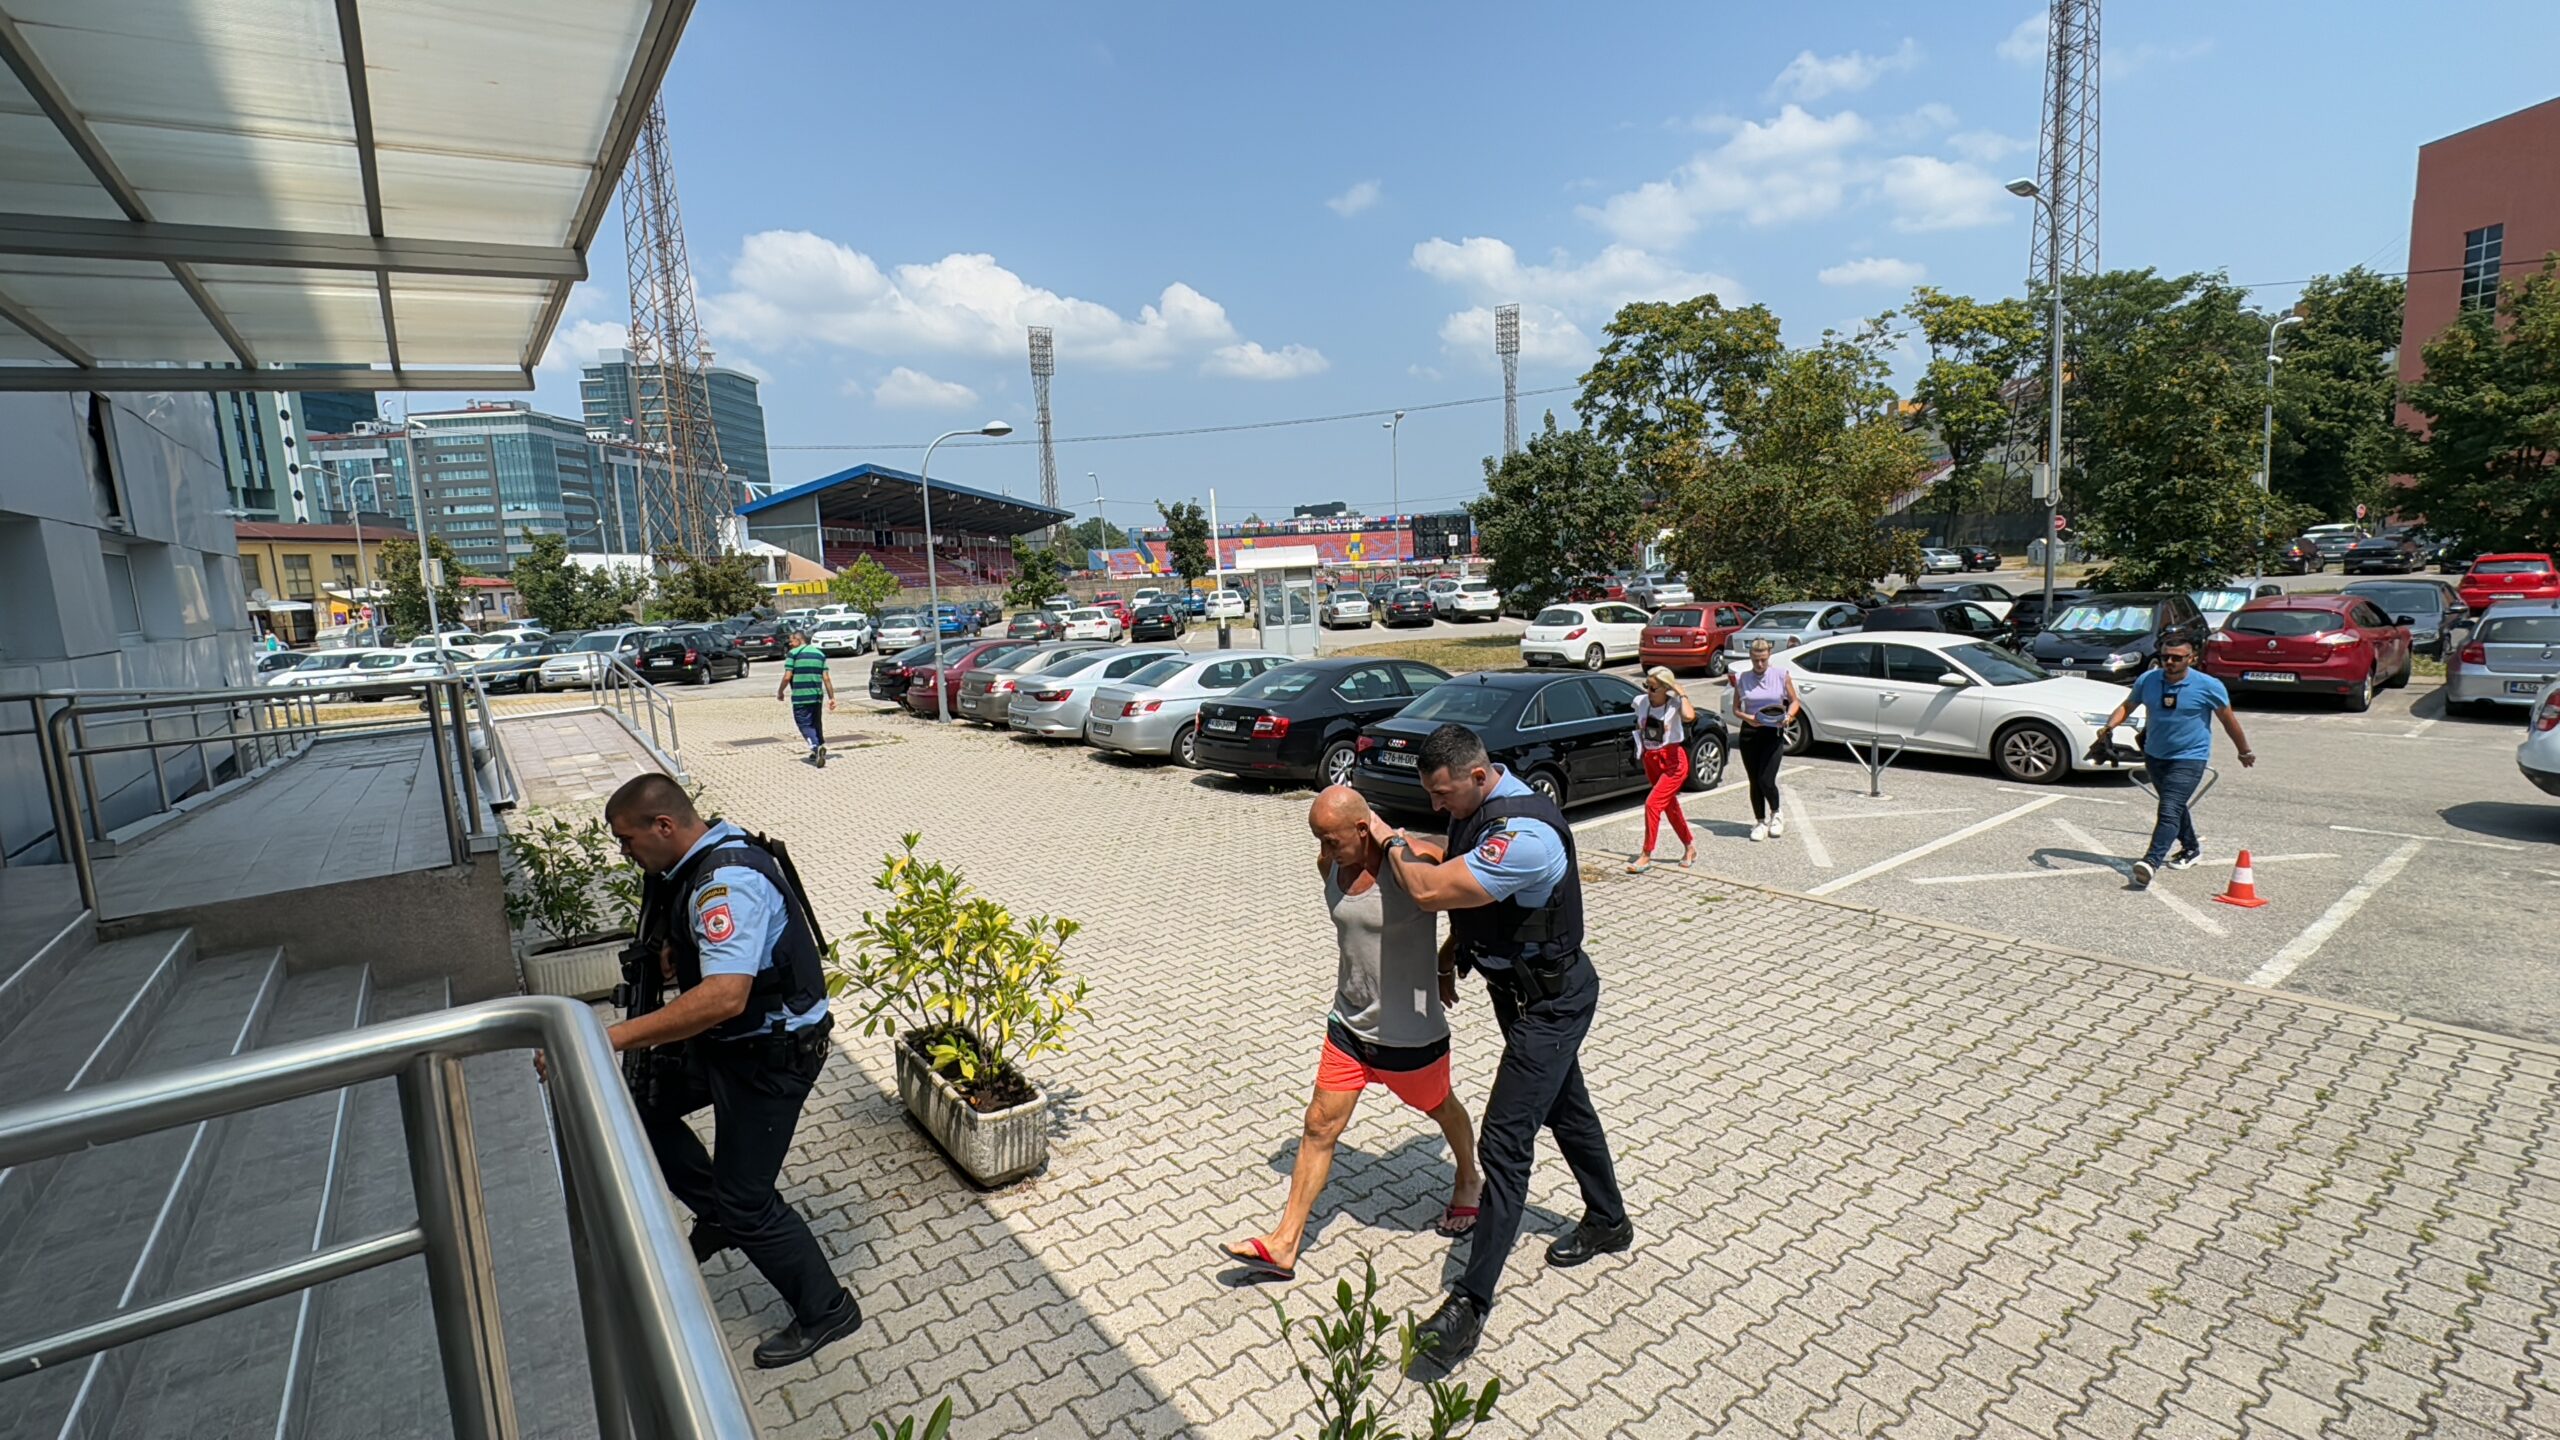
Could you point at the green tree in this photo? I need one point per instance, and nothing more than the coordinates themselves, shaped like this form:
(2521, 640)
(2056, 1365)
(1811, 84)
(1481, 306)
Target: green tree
(866, 585)
(1037, 575)
(1670, 376)
(1187, 540)
(1095, 534)
(564, 595)
(1561, 507)
(405, 594)
(1980, 355)
(706, 589)
(2488, 467)
(2335, 442)
(1788, 508)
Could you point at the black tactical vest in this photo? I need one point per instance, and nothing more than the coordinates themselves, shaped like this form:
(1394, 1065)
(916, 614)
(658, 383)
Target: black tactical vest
(1508, 931)
(793, 982)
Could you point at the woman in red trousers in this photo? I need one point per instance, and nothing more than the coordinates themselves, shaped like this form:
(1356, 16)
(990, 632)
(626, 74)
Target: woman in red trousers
(1663, 718)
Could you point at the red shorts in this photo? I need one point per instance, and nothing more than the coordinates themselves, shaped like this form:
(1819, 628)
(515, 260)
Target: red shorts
(1423, 1089)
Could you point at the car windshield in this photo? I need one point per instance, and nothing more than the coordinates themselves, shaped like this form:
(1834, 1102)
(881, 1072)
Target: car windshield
(2104, 620)
(1084, 614)
(1077, 661)
(1680, 617)
(1558, 615)
(328, 662)
(1998, 665)
(1783, 618)
(2402, 599)
(1285, 683)
(2285, 624)
(1461, 705)
(597, 641)
(2219, 599)
(1476, 587)
(1159, 673)
(381, 662)
(2511, 567)
(2521, 630)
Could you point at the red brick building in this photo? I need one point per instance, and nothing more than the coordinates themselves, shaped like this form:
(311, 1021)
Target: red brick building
(2487, 211)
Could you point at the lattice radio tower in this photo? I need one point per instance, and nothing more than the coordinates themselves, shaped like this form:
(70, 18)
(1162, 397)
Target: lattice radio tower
(1044, 363)
(1506, 343)
(2065, 243)
(686, 502)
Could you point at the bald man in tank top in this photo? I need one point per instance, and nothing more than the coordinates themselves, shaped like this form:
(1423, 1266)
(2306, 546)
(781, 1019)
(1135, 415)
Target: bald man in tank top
(1387, 1028)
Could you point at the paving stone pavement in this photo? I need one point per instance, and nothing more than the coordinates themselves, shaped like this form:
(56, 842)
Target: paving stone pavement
(1889, 1178)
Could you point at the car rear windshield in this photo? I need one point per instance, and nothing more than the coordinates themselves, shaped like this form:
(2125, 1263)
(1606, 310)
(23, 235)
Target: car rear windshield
(1558, 616)
(2402, 599)
(1078, 661)
(1158, 673)
(2511, 567)
(1460, 704)
(2105, 620)
(598, 641)
(2219, 599)
(1998, 665)
(1476, 587)
(329, 662)
(2521, 630)
(1782, 618)
(2285, 623)
(1680, 617)
(1408, 596)
(1286, 683)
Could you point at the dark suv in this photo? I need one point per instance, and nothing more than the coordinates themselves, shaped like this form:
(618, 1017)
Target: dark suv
(1159, 620)
(699, 654)
(2117, 636)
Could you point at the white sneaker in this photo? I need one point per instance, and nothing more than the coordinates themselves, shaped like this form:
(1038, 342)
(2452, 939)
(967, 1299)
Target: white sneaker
(1759, 833)
(1777, 826)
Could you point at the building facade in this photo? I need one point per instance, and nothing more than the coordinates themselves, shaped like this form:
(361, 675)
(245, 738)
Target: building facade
(2487, 213)
(609, 395)
(302, 579)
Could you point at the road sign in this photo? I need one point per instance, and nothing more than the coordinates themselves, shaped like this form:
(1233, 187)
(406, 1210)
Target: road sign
(2058, 523)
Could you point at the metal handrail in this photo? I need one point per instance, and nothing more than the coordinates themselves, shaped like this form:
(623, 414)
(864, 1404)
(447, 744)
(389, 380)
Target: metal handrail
(657, 1360)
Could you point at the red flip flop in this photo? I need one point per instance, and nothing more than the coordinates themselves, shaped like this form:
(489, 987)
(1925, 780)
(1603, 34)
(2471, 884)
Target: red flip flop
(1451, 1213)
(1260, 1260)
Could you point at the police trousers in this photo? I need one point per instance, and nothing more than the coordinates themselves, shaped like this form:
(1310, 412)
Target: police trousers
(1538, 1084)
(755, 1100)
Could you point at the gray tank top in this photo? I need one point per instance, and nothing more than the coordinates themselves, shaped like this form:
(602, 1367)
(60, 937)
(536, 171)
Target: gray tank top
(1388, 989)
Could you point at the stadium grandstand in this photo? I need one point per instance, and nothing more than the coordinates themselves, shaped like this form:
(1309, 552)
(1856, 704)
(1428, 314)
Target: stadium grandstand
(1342, 542)
(879, 512)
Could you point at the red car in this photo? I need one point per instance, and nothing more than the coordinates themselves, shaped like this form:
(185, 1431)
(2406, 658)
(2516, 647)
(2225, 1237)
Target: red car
(1110, 600)
(2492, 578)
(1690, 637)
(2338, 645)
(955, 667)
(1592, 589)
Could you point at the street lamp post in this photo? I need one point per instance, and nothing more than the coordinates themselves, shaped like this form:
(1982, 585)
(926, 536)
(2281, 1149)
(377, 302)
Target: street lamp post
(932, 575)
(2027, 190)
(1395, 480)
(2267, 461)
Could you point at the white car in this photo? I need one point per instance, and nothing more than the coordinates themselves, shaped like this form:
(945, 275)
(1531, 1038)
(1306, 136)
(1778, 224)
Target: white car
(1226, 605)
(902, 631)
(405, 664)
(1144, 595)
(1586, 635)
(845, 634)
(2539, 756)
(1060, 603)
(1952, 695)
(1344, 608)
(1935, 561)
(591, 654)
(1467, 600)
(1089, 623)
(319, 669)
(469, 642)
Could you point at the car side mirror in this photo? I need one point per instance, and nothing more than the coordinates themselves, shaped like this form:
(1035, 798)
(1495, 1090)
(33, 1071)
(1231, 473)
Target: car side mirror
(2404, 620)
(1953, 681)
(2264, 591)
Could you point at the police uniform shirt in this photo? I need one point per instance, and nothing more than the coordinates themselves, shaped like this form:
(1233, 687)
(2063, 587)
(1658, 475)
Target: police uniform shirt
(1522, 859)
(737, 914)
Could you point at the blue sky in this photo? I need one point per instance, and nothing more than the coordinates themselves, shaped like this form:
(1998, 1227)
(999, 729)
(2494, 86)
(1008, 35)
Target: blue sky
(1234, 215)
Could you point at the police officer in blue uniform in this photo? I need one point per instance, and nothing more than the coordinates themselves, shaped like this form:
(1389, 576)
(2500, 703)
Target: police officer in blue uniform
(1514, 900)
(746, 1035)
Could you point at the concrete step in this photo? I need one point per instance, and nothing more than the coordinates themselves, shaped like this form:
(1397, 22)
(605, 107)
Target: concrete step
(267, 1185)
(36, 962)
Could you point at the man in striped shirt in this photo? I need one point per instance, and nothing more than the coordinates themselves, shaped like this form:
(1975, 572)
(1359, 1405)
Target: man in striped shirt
(806, 683)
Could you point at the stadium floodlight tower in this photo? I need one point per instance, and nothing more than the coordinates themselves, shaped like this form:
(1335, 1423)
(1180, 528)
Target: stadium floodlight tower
(1506, 343)
(1044, 363)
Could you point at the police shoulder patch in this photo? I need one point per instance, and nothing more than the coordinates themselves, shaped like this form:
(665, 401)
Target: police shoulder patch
(1495, 847)
(703, 898)
(718, 924)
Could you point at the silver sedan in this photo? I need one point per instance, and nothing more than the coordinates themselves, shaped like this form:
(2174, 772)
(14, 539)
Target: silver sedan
(1795, 623)
(2511, 654)
(986, 694)
(1053, 703)
(2539, 756)
(1156, 711)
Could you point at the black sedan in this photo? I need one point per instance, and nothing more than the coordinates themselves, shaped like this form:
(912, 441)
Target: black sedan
(1978, 557)
(1405, 607)
(2298, 557)
(2392, 554)
(1159, 620)
(1302, 721)
(515, 667)
(764, 640)
(2116, 637)
(2434, 608)
(694, 653)
(891, 674)
(1570, 739)
(1952, 617)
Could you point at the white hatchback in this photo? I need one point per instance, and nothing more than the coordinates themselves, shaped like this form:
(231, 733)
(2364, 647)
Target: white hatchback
(1586, 635)
(846, 634)
(1091, 624)
(1470, 600)
(1226, 605)
(903, 631)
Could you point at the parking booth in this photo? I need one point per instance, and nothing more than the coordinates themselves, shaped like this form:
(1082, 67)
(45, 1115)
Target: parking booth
(1284, 584)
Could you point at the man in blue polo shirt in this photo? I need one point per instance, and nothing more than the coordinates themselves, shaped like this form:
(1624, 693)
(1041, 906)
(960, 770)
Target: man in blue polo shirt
(2177, 740)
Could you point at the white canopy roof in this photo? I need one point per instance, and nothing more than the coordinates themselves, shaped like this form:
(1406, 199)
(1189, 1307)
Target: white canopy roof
(405, 187)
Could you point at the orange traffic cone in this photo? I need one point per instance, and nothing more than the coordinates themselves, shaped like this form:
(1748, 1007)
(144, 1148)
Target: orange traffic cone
(2244, 886)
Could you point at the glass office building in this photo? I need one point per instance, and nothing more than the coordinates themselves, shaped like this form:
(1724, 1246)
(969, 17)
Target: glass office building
(607, 394)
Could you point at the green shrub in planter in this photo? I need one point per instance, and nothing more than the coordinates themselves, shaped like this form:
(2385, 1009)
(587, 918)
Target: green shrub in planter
(570, 883)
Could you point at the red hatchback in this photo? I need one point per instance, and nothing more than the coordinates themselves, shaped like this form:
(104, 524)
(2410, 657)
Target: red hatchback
(2338, 645)
(1690, 637)
(2493, 578)
(955, 667)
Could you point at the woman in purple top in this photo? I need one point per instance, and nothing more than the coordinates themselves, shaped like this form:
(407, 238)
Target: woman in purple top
(1764, 696)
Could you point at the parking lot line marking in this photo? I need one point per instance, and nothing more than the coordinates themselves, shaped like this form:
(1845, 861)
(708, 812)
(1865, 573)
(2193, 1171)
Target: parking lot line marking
(2414, 731)
(2430, 839)
(2181, 908)
(1895, 862)
(2092, 799)
(1890, 814)
(2303, 946)
(2085, 869)
(1790, 803)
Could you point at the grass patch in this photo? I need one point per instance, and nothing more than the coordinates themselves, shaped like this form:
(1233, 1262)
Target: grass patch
(1455, 655)
(2427, 667)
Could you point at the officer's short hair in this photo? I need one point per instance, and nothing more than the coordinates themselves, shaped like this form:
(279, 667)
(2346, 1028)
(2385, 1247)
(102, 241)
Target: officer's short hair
(1452, 748)
(646, 797)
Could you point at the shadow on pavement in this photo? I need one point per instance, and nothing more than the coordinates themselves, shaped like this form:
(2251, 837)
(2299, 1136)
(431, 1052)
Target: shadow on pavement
(2506, 819)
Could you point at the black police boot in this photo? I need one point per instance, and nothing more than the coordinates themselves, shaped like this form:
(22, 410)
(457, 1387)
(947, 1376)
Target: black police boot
(1449, 1336)
(709, 1240)
(801, 1339)
(1589, 1241)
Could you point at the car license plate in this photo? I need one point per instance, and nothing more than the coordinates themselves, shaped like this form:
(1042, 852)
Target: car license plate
(1098, 727)
(1222, 726)
(2525, 687)
(2275, 677)
(1397, 759)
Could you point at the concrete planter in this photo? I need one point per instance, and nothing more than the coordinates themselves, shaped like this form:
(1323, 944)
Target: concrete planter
(581, 972)
(992, 1148)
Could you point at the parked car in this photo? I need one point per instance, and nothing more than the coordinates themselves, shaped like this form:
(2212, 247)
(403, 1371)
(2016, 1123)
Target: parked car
(1059, 603)
(764, 640)
(1156, 709)
(2513, 652)
(1092, 623)
(1467, 600)
(2333, 541)
(409, 662)
(1588, 635)
(1344, 607)
(1302, 721)
(518, 666)
(848, 634)
(1160, 620)
(1937, 561)
(696, 654)
(1053, 704)
(2434, 608)
(957, 620)
(1691, 637)
(1591, 589)
(1570, 738)
(2218, 603)
(1951, 695)
(955, 669)
(903, 630)
(316, 670)
(2493, 579)
(1118, 607)
(2116, 636)
(2391, 554)
(986, 693)
(275, 662)
(1035, 625)
(2310, 644)
(593, 653)
(2454, 555)
(1787, 626)
(893, 671)
(470, 643)
(2539, 756)
(1409, 606)
(1994, 598)
(1654, 590)
(2298, 557)
(2026, 615)
(1224, 605)
(1977, 557)
(1949, 617)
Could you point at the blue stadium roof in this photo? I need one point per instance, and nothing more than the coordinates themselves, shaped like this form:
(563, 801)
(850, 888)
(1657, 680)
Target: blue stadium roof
(878, 495)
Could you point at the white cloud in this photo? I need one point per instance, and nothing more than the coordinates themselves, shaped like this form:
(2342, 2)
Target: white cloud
(1986, 147)
(1547, 336)
(792, 287)
(2025, 42)
(1790, 167)
(1249, 361)
(1928, 193)
(1354, 200)
(1553, 298)
(1810, 76)
(1874, 271)
(576, 344)
(906, 389)
(2025, 45)
(1930, 119)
